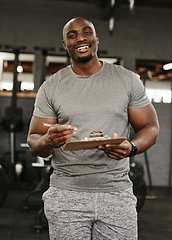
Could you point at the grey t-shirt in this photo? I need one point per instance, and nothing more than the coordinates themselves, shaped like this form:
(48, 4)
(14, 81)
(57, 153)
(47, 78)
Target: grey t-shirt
(96, 102)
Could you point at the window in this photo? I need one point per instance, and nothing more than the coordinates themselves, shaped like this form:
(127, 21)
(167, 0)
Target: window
(25, 71)
(156, 79)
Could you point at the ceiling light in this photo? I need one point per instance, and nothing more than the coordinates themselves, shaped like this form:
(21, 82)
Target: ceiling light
(112, 3)
(111, 24)
(167, 66)
(19, 69)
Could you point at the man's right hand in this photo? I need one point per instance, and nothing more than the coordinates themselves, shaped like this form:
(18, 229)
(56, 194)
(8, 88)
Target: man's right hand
(59, 135)
(43, 139)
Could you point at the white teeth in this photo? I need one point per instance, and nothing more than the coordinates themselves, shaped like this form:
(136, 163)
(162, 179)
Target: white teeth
(81, 48)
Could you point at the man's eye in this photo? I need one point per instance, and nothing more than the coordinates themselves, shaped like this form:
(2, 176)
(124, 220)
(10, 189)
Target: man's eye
(72, 36)
(87, 33)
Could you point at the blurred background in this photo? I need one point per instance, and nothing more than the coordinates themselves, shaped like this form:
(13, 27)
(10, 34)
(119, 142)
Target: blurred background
(135, 34)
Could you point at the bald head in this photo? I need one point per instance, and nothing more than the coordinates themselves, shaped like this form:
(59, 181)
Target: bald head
(74, 22)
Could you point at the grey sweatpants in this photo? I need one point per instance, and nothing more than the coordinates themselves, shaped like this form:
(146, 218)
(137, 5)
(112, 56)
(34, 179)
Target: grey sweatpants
(75, 215)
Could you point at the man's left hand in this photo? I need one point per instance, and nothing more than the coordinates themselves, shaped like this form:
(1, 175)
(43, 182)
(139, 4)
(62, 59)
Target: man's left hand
(117, 151)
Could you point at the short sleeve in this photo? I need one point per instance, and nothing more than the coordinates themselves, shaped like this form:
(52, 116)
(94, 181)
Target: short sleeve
(43, 104)
(138, 96)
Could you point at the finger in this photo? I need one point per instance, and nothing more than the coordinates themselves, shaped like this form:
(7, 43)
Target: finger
(115, 135)
(112, 146)
(62, 138)
(115, 152)
(60, 128)
(65, 135)
(113, 155)
(123, 146)
(71, 131)
(101, 147)
(57, 142)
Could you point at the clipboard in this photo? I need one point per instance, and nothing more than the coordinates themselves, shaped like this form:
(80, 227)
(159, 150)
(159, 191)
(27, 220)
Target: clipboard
(91, 144)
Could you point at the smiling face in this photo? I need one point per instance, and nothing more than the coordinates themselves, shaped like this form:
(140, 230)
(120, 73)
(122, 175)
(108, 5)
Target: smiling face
(80, 40)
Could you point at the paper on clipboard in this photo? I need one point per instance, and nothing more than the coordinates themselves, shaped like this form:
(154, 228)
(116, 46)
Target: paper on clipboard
(83, 145)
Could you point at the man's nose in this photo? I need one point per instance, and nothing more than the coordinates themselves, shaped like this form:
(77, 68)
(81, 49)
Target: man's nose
(81, 37)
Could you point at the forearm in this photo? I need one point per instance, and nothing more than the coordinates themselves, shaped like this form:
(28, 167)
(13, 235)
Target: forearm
(146, 137)
(39, 146)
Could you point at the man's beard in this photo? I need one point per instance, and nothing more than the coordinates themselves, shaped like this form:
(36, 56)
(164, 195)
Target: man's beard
(85, 59)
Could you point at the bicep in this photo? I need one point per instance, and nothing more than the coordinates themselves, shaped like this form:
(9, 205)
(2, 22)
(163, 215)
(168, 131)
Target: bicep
(36, 126)
(143, 117)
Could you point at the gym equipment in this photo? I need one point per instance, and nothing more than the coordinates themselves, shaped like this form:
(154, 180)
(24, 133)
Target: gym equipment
(13, 119)
(4, 181)
(41, 78)
(45, 168)
(136, 175)
(45, 172)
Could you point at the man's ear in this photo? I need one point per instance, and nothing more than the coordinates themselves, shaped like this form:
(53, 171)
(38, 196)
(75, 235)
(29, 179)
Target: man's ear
(64, 45)
(97, 39)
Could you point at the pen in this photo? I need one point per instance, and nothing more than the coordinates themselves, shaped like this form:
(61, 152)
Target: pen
(51, 125)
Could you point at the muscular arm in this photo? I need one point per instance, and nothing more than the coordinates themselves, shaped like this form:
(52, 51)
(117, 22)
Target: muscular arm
(145, 124)
(42, 140)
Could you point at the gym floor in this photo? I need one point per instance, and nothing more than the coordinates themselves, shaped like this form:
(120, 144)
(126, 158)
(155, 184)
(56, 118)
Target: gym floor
(19, 221)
